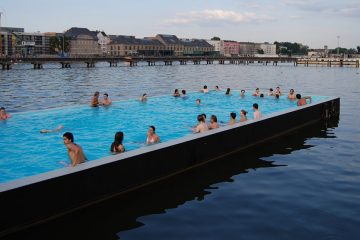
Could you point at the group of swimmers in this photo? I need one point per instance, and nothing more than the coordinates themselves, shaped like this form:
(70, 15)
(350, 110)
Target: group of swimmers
(95, 100)
(76, 153)
(203, 126)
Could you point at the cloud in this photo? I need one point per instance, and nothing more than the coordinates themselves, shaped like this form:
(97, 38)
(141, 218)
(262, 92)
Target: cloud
(217, 16)
(343, 8)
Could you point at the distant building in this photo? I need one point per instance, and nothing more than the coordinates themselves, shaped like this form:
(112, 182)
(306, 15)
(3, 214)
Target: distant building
(197, 47)
(83, 42)
(16, 42)
(247, 48)
(130, 46)
(218, 46)
(268, 49)
(231, 48)
(171, 43)
(319, 53)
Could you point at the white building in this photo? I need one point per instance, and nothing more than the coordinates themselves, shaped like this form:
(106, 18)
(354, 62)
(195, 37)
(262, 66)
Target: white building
(269, 49)
(218, 46)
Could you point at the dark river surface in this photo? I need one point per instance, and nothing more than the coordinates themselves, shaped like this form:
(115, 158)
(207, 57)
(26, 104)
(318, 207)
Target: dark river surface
(305, 185)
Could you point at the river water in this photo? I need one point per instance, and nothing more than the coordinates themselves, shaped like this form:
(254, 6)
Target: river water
(301, 186)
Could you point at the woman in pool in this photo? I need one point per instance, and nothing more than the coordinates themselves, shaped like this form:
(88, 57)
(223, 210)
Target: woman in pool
(232, 118)
(213, 122)
(117, 146)
(228, 91)
(3, 114)
(143, 98)
(151, 136)
(176, 93)
(243, 117)
(95, 99)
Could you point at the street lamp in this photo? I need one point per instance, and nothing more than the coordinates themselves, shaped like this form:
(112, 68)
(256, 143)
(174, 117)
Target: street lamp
(338, 46)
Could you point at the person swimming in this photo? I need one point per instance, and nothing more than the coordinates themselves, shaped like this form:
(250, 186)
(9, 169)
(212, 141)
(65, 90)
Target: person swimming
(152, 137)
(198, 102)
(302, 100)
(143, 98)
(242, 93)
(228, 91)
(256, 93)
(176, 93)
(291, 95)
(117, 146)
(257, 113)
(57, 129)
(205, 89)
(201, 126)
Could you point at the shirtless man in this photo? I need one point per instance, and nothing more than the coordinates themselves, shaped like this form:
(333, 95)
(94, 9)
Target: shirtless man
(95, 99)
(278, 91)
(292, 95)
(205, 89)
(151, 136)
(302, 100)
(106, 100)
(257, 113)
(256, 93)
(76, 154)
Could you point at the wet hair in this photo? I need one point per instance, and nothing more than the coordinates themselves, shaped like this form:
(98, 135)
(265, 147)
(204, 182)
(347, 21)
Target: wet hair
(2, 108)
(118, 139)
(214, 118)
(105, 94)
(198, 100)
(271, 89)
(216, 86)
(233, 115)
(261, 95)
(257, 88)
(242, 90)
(256, 106)
(176, 90)
(200, 118)
(183, 91)
(204, 115)
(144, 94)
(69, 136)
(227, 91)
(298, 96)
(96, 93)
(152, 127)
(205, 87)
(292, 90)
(244, 112)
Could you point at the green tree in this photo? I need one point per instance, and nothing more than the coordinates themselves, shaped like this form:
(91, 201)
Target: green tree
(358, 49)
(215, 39)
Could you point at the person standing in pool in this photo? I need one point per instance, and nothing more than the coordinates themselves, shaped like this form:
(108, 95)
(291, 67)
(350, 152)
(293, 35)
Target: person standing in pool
(257, 113)
(3, 114)
(76, 153)
(205, 89)
(117, 146)
(151, 136)
(228, 92)
(242, 93)
(176, 93)
(232, 118)
(201, 126)
(243, 117)
(106, 100)
(213, 122)
(291, 95)
(143, 98)
(95, 99)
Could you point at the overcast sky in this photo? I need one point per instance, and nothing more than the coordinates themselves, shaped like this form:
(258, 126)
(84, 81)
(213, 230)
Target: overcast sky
(312, 22)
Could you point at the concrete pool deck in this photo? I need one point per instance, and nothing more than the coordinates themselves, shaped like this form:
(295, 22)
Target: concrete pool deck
(38, 198)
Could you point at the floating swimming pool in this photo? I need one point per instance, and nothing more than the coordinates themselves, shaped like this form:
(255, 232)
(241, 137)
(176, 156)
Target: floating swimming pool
(26, 152)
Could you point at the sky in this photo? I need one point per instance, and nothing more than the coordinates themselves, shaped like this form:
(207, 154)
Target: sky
(314, 23)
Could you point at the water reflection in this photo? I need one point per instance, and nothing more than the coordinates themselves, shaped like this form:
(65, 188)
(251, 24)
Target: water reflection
(111, 218)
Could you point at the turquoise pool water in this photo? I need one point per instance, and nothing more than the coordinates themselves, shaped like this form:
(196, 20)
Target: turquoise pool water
(26, 152)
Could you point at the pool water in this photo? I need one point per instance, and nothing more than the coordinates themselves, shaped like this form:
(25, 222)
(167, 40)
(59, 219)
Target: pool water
(25, 151)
